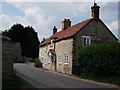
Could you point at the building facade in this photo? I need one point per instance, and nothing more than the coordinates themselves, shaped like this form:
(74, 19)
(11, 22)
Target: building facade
(59, 52)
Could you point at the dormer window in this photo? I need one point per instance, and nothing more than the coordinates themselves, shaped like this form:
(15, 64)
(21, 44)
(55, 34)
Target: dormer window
(86, 40)
(51, 43)
(46, 49)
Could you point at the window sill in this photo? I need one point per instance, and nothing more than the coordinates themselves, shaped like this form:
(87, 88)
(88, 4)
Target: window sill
(59, 63)
(65, 63)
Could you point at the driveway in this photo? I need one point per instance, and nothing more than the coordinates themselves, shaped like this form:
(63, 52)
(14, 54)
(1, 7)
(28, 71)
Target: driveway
(38, 78)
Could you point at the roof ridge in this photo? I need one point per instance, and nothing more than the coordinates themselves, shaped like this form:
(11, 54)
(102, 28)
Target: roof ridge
(70, 31)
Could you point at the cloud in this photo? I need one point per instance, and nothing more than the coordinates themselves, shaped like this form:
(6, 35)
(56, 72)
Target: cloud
(44, 15)
(114, 27)
(59, 0)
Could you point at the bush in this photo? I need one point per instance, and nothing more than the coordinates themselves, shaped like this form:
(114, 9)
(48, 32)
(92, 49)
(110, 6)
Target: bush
(100, 59)
(37, 63)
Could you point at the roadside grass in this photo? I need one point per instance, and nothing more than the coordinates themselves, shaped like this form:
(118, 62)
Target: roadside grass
(15, 82)
(103, 79)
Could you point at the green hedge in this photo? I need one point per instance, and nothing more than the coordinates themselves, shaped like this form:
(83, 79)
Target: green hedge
(100, 59)
(37, 63)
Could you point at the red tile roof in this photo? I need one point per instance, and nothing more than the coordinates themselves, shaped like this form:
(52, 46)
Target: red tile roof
(71, 31)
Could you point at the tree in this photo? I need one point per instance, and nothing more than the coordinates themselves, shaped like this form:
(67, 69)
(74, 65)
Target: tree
(30, 43)
(27, 37)
(16, 32)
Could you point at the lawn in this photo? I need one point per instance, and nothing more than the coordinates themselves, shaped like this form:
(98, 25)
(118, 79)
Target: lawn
(104, 79)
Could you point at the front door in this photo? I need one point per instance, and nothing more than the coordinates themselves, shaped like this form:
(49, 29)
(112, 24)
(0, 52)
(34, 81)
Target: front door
(53, 63)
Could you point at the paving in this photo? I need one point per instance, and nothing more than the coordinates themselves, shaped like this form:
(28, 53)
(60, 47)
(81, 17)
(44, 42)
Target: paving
(38, 78)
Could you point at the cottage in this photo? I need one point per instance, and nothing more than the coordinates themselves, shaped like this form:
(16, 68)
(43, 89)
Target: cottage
(59, 51)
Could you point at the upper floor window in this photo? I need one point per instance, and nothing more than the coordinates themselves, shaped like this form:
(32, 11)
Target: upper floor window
(66, 59)
(51, 43)
(86, 40)
(46, 49)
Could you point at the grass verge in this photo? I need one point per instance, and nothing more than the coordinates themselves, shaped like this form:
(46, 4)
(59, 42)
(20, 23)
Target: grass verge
(14, 82)
(104, 79)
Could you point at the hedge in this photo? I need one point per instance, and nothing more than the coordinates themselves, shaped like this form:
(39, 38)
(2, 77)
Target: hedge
(100, 59)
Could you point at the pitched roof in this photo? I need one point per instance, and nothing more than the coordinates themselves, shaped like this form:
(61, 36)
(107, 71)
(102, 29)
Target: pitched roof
(70, 31)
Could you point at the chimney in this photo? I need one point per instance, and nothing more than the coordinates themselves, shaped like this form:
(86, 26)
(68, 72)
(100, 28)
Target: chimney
(54, 29)
(95, 11)
(66, 23)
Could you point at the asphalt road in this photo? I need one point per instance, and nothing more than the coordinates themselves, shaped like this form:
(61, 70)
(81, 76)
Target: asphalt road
(37, 78)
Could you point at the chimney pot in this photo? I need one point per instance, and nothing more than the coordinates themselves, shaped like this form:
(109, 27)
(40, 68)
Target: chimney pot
(66, 23)
(54, 29)
(95, 11)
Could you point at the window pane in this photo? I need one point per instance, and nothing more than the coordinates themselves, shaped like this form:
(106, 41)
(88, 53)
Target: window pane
(87, 41)
(84, 41)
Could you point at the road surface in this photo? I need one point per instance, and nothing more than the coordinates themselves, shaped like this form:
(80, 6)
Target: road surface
(38, 78)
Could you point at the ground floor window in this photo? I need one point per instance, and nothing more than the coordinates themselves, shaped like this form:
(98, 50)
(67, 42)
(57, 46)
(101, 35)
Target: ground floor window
(59, 59)
(66, 58)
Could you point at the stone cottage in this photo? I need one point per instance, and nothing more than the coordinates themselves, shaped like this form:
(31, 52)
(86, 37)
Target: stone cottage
(59, 51)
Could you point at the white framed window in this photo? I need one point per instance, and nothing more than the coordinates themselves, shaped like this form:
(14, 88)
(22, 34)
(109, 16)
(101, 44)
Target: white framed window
(86, 40)
(49, 59)
(51, 43)
(46, 48)
(66, 58)
(59, 59)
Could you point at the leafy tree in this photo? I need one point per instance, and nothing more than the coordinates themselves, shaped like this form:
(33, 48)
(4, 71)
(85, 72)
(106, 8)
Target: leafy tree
(16, 32)
(30, 43)
(27, 37)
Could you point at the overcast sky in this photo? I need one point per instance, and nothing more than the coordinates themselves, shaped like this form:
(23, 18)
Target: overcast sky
(44, 15)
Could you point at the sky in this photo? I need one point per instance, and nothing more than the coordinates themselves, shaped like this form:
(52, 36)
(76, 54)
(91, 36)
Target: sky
(44, 15)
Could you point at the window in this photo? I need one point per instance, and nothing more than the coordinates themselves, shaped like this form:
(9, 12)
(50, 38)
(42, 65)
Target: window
(66, 59)
(46, 49)
(86, 40)
(59, 59)
(51, 44)
(49, 59)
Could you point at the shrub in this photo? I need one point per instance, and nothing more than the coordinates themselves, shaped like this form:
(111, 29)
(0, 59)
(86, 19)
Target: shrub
(100, 59)
(37, 63)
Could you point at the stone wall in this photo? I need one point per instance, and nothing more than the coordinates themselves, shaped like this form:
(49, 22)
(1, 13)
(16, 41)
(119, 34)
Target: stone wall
(64, 47)
(98, 32)
(7, 57)
(61, 48)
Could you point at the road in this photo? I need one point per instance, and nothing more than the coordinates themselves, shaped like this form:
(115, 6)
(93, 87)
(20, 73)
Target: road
(38, 78)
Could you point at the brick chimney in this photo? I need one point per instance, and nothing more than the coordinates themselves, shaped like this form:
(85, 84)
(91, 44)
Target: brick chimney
(66, 23)
(54, 29)
(95, 11)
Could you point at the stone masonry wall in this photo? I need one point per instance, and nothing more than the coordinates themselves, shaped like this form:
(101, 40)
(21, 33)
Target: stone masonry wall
(7, 57)
(64, 47)
(61, 48)
(97, 31)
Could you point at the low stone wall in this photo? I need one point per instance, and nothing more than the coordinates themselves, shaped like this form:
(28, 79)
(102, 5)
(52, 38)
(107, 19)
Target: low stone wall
(7, 57)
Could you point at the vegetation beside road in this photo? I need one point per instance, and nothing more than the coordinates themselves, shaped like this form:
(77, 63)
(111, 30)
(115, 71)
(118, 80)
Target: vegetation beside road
(15, 82)
(37, 63)
(100, 62)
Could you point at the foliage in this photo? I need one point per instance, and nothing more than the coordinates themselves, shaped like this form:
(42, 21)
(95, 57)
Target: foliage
(27, 37)
(37, 63)
(100, 59)
(15, 82)
(105, 79)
